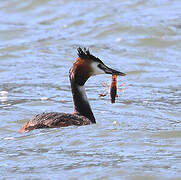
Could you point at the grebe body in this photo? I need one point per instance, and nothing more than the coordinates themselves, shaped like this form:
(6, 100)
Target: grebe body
(85, 66)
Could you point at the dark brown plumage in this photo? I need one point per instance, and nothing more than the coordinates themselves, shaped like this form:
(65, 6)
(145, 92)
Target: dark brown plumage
(80, 72)
(54, 120)
(86, 55)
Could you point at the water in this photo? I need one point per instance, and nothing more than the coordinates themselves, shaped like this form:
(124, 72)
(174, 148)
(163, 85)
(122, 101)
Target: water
(138, 137)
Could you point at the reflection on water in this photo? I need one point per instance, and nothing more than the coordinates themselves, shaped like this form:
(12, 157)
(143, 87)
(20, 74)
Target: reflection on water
(136, 138)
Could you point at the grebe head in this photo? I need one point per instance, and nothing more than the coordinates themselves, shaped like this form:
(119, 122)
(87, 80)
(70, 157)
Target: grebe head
(87, 65)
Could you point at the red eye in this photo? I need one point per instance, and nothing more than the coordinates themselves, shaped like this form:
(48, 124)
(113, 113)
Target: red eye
(99, 65)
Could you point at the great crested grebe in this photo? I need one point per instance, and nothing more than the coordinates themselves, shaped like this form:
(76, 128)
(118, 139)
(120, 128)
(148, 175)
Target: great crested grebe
(85, 66)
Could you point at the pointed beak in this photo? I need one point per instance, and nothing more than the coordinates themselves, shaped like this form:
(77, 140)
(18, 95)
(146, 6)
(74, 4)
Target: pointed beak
(108, 70)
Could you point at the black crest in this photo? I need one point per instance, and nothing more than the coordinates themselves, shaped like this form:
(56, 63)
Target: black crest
(85, 54)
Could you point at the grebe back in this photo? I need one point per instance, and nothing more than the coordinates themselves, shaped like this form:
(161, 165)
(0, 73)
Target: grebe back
(85, 66)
